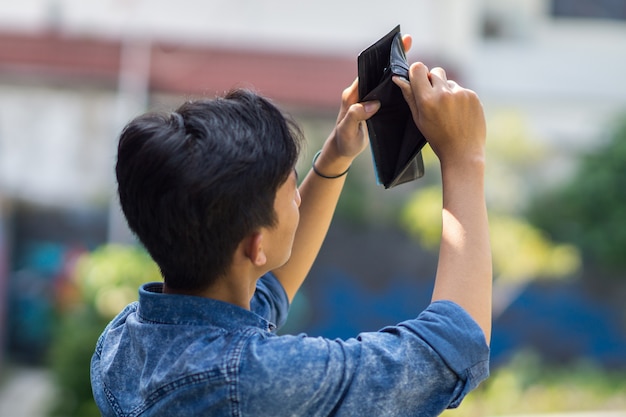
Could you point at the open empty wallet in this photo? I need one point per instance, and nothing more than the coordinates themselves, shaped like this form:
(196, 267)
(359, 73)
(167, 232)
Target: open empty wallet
(395, 141)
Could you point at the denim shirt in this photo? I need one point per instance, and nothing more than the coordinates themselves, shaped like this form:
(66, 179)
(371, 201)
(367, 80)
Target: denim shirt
(174, 355)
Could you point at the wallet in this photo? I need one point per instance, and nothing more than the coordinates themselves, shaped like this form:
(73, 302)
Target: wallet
(395, 140)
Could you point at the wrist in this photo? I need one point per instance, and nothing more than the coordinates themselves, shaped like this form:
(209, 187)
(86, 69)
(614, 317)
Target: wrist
(467, 162)
(320, 173)
(328, 163)
(467, 175)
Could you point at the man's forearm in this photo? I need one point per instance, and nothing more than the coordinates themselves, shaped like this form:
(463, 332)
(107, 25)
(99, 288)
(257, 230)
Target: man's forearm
(464, 273)
(319, 195)
(319, 200)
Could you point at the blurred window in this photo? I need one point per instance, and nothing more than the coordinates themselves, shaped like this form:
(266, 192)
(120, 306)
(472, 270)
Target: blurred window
(592, 9)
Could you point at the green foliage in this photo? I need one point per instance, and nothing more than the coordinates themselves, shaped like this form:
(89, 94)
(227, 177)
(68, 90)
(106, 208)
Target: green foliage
(515, 163)
(527, 385)
(353, 202)
(105, 281)
(520, 251)
(74, 341)
(422, 216)
(589, 210)
(108, 278)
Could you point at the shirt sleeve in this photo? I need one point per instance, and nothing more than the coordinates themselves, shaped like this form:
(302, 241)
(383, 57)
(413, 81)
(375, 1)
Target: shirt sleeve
(270, 300)
(458, 341)
(418, 368)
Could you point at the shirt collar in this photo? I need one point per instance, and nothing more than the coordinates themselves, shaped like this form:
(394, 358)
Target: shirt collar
(157, 307)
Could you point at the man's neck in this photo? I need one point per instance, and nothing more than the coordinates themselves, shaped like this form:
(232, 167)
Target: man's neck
(222, 290)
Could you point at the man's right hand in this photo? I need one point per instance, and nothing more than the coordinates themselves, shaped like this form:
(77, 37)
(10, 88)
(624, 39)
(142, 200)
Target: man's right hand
(450, 117)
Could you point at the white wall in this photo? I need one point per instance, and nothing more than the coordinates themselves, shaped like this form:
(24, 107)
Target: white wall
(566, 78)
(55, 144)
(324, 25)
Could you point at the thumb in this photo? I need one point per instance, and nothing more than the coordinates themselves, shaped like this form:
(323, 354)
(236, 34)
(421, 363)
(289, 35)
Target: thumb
(370, 108)
(350, 131)
(361, 111)
(357, 113)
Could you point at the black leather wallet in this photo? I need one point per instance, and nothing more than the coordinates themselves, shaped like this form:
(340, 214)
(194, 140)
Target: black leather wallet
(395, 141)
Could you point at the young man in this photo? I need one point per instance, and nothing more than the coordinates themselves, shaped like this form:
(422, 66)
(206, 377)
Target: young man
(211, 192)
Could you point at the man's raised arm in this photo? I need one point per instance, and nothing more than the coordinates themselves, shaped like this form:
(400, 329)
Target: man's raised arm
(452, 120)
(321, 188)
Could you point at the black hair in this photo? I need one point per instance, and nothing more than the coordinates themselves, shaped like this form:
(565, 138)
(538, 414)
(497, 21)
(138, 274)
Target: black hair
(195, 182)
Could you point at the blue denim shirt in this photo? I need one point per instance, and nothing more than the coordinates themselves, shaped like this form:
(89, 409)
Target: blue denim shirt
(174, 355)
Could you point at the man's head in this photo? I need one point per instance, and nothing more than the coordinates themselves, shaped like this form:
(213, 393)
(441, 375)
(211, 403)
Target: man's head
(194, 183)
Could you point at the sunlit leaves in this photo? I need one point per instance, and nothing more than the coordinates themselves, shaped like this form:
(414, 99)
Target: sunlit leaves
(108, 277)
(520, 251)
(589, 210)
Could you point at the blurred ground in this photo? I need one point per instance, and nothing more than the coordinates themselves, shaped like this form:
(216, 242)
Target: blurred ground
(581, 414)
(26, 392)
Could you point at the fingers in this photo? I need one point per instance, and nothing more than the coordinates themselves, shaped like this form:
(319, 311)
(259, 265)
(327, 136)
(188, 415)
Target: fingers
(407, 42)
(407, 93)
(439, 73)
(359, 112)
(425, 83)
(424, 79)
(419, 77)
(449, 116)
(349, 96)
(438, 77)
(350, 134)
(453, 85)
(417, 87)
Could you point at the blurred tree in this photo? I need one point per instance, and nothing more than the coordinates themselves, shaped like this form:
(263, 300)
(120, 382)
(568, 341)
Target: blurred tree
(521, 251)
(106, 280)
(589, 209)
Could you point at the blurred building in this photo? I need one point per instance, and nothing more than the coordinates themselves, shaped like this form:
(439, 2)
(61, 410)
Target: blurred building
(73, 72)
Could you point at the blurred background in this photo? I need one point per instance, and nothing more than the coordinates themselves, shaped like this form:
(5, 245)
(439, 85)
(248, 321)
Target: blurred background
(552, 78)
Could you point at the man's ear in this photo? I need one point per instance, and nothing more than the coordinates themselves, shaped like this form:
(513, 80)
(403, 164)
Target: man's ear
(254, 249)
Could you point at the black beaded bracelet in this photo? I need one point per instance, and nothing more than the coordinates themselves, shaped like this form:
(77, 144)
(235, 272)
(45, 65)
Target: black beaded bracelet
(322, 175)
